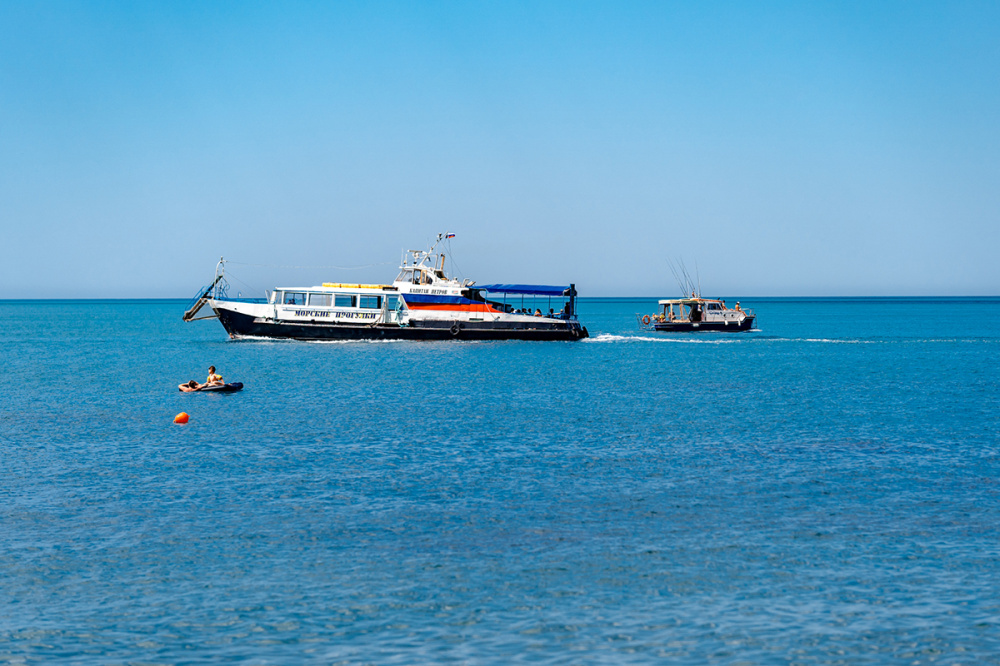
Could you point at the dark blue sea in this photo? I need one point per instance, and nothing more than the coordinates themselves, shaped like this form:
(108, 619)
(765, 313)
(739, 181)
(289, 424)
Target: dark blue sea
(824, 490)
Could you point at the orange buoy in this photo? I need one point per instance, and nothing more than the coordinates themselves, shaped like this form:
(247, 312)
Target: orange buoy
(181, 418)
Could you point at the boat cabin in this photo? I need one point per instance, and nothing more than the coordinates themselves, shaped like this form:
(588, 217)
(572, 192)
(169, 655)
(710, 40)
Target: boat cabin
(690, 309)
(338, 301)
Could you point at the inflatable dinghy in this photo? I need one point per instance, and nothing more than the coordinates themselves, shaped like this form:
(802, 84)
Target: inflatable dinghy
(215, 388)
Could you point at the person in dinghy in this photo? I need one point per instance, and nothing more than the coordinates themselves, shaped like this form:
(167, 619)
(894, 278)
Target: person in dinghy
(214, 382)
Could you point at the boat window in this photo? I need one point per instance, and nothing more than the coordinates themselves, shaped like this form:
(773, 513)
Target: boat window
(294, 298)
(392, 302)
(319, 300)
(345, 301)
(714, 306)
(276, 297)
(371, 302)
(405, 276)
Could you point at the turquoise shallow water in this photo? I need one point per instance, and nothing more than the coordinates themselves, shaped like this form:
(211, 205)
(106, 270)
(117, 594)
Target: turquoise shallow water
(824, 490)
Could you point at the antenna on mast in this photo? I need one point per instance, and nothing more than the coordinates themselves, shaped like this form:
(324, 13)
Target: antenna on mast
(688, 282)
(677, 277)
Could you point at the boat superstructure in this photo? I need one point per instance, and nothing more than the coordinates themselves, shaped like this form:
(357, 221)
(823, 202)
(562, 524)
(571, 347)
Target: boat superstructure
(422, 303)
(697, 314)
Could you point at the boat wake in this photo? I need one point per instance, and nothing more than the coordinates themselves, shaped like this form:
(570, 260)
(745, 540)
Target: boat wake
(284, 341)
(609, 337)
(352, 342)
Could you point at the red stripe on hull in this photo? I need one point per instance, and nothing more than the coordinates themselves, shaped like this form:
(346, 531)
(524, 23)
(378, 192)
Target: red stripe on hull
(446, 307)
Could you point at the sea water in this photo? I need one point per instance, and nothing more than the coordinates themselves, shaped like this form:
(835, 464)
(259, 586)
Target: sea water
(823, 490)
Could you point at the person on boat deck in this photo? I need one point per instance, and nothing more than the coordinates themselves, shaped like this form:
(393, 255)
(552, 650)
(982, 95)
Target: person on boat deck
(538, 312)
(212, 377)
(738, 308)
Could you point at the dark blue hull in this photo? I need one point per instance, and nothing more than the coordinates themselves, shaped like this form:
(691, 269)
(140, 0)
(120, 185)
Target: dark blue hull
(695, 327)
(240, 325)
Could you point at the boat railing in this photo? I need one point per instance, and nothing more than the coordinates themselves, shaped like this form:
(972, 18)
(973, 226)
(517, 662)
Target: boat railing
(199, 295)
(198, 302)
(645, 321)
(241, 299)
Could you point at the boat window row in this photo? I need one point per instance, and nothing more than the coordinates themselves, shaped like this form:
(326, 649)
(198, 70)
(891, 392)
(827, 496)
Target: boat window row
(324, 300)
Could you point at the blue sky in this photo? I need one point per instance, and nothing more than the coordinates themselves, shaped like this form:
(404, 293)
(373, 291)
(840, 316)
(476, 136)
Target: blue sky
(799, 148)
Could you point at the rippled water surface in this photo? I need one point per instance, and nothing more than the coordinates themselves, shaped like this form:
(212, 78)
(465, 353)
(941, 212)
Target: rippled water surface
(824, 490)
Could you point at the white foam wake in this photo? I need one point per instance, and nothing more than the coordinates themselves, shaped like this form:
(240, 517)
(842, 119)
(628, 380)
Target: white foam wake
(609, 337)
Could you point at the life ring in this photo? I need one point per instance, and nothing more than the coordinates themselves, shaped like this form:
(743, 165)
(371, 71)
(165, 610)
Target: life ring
(645, 320)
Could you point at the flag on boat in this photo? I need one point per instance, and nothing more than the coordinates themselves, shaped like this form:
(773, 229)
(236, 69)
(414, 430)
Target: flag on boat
(449, 236)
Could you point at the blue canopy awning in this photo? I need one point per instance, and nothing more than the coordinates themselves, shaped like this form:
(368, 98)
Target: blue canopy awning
(532, 289)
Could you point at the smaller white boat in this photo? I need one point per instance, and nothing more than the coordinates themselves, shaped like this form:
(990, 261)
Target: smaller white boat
(685, 315)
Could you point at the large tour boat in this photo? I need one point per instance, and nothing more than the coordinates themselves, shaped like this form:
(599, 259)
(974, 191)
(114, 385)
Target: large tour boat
(422, 303)
(697, 314)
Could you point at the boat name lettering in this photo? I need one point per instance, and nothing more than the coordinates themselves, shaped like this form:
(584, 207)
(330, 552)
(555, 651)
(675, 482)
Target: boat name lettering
(355, 315)
(335, 315)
